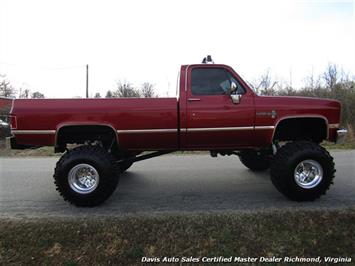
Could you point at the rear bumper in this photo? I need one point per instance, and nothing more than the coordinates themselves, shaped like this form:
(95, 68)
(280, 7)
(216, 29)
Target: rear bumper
(340, 136)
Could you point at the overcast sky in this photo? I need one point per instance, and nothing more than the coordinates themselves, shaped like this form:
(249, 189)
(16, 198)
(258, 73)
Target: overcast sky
(44, 45)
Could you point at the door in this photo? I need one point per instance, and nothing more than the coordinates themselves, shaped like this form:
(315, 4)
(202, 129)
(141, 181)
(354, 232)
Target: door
(213, 120)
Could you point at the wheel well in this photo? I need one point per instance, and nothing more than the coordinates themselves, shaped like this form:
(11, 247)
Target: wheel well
(79, 134)
(312, 128)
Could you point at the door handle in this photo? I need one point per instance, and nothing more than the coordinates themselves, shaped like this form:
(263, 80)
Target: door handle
(194, 99)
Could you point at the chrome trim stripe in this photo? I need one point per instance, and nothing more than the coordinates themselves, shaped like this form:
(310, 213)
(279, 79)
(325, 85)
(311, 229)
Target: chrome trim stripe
(264, 127)
(132, 131)
(202, 129)
(333, 125)
(129, 131)
(210, 129)
(33, 131)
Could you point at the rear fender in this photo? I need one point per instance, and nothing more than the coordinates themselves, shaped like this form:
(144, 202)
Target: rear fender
(78, 124)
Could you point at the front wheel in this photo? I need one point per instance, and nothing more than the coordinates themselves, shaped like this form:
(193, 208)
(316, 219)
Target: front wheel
(302, 170)
(86, 176)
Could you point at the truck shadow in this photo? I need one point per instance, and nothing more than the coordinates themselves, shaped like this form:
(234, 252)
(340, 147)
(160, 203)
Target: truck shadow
(149, 190)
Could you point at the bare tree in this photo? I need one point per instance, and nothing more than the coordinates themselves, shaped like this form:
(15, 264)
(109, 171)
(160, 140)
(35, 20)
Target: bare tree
(266, 84)
(147, 90)
(97, 95)
(6, 89)
(37, 95)
(25, 94)
(109, 94)
(126, 90)
(345, 76)
(331, 76)
(311, 82)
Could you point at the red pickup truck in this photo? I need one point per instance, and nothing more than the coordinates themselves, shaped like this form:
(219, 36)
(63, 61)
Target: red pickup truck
(215, 110)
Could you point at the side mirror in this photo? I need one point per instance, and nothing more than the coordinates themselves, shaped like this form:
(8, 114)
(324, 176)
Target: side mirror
(236, 98)
(233, 93)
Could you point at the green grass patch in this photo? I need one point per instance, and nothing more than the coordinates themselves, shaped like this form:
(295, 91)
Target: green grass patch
(341, 146)
(123, 241)
(40, 152)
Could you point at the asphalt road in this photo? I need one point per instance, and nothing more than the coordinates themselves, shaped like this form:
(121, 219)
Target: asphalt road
(167, 184)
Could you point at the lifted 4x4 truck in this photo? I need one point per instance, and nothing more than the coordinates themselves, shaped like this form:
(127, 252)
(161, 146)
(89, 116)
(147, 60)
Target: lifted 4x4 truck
(215, 110)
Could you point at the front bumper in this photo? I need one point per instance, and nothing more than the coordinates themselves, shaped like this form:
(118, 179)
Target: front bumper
(341, 134)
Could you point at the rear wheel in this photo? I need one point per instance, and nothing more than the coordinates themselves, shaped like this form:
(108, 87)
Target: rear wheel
(302, 170)
(254, 160)
(86, 176)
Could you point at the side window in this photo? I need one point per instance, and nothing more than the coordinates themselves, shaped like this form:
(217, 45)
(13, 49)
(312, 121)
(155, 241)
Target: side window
(212, 81)
(209, 81)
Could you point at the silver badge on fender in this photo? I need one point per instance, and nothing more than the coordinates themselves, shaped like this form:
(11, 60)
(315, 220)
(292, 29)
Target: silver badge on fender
(273, 114)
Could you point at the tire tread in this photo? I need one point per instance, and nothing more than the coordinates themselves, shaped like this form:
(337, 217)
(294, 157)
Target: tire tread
(110, 182)
(280, 175)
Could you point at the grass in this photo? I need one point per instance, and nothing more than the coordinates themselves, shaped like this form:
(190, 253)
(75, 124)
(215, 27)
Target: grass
(123, 241)
(40, 152)
(341, 146)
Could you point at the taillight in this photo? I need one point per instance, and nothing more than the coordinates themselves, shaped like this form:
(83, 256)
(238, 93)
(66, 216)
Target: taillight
(13, 122)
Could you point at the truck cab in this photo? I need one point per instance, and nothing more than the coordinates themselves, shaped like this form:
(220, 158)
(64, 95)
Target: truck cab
(216, 108)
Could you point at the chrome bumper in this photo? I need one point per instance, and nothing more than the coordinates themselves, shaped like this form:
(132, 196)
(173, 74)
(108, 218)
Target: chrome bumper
(341, 134)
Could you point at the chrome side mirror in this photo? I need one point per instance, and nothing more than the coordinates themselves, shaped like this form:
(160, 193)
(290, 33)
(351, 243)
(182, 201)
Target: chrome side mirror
(236, 98)
(233, 88)
(233, 93)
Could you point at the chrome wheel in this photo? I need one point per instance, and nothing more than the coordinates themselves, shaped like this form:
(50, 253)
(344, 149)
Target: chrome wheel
(83, 178)
(308, 174)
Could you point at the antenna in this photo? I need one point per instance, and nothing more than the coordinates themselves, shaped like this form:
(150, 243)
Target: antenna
(207, 60)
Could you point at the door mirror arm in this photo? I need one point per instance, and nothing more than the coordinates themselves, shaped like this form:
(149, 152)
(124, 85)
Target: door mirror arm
(233, 88)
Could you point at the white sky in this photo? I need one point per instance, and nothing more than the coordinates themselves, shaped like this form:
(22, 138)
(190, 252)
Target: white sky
(44, 45)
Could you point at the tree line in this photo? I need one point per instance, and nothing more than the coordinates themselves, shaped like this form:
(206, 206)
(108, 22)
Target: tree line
(333, 83)
(123, 90)
(127, 90)
(9, 91)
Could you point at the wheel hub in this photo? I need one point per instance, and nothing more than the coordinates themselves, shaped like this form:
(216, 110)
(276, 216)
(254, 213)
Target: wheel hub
(83, 178)
(308, 174)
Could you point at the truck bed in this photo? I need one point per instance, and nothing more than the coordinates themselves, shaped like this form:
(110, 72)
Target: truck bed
(136, 120)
